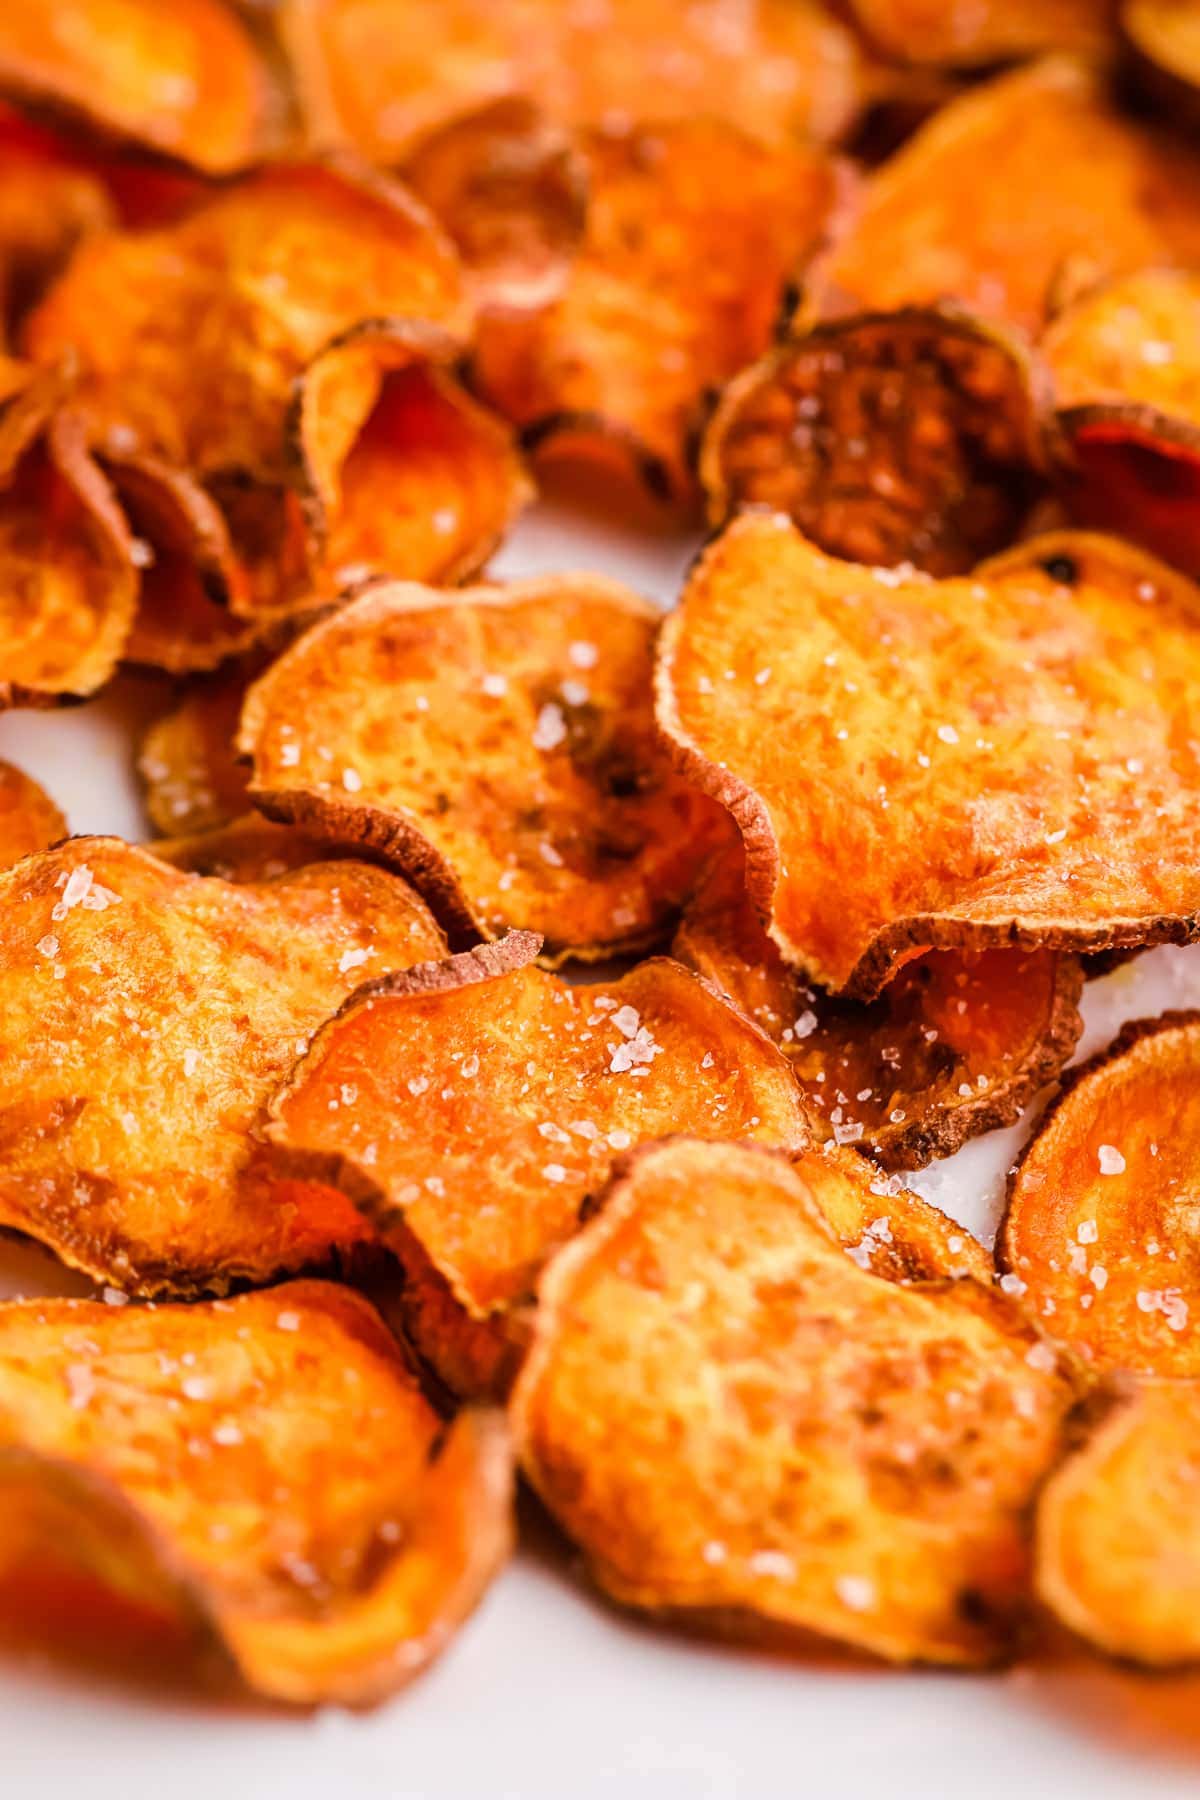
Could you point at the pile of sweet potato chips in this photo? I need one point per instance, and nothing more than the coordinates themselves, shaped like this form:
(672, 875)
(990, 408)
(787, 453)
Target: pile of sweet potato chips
(503, 1056)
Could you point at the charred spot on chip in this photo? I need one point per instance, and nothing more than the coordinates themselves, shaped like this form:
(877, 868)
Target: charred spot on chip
(489, 1101)
(142, 1166)
(375, 726)
(912, 436)
(335, 1534)
(1099, 1227)
(1016, 795)
(804, 1380)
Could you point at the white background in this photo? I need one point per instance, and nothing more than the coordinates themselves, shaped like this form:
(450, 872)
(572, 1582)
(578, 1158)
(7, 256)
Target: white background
(547, 1695)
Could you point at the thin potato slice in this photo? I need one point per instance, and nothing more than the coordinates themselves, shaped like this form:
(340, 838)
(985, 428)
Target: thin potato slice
(1118, 1557)
(511, 188)
(187, 761)
(1003, 760)
(248, 849)
(29, 819)
(475, 1107)
(498, 745)
(1101, 1224)
(68, 586)
(145, 1018)
(262, 1474)
(185, 79)
(381, 74)
(1125, 360)
(953, 214)
(913, 436)
(885, 1227)
(49, 199)
(693, 234)
(966, 34)
(188, 339)
(732, 1420)
(956, 1044)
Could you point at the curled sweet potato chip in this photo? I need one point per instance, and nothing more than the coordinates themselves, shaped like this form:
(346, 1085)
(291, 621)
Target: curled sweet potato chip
(184, 79)
(884, 1226)
(145, 1018)
(192, 777)
(693, 233)
(1125, 359)
(938, 222)
(1162, 42)
(477, 1105)
(1101, 1223)
(955, 1044)
(911, 436)
(48, 200)
(263, 1473)
(498, 745)
(248, 849)
(68, 586)
(188, 339)
(968, 34)
(29, 819)
(403, 474)
(998, 760)
(381, 74)
(1118, 1556)
(825, 1452)
(510, 186)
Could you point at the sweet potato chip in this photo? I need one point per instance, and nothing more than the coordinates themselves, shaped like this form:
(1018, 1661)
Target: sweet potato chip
(912, 436)
(145, 1018)
(264, 1473)
(185, 79)
(1079, 180)
(967, 34)
(48, 200)
(1125, 362)
(29, 819)
(884, 1226)
(730, 1419)
(381, 74)
(68, 586)
(248, 849)
(188, 339)
(1003, 760)
(476, 1106)
(693, 234)
(955, 1045)
(1162, 43)
(187, 762)
(1100, 1224)
(499, 747)
(403, 474)
(510, 187)
(1118, 1556)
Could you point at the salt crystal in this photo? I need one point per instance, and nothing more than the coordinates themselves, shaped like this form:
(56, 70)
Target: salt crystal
(584, 656)
(551, 727)
(351, 780)
(856, 1591)
(1110, 1159)
(288, 1321)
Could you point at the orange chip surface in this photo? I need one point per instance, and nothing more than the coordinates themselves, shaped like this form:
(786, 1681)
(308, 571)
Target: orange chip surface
(188, 339)
(29, 819)
(1118, 1553)
(193, 780)
(499, 746)
(939, 222)
(911, 436)
(263, 1473)
(1125, 361)
(1100, 1223)
(478, 1105)
(955, 1045)
(998, 760)
(145, 1018)
(968, 34)
(184, 79)
(68, 586)
(731, 1419)
(693, 233)
(380, 74)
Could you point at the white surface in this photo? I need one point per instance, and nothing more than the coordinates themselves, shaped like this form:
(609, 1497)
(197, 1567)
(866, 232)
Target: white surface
(546, 1695)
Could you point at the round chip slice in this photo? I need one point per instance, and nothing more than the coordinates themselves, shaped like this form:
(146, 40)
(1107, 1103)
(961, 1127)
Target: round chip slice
(733, 1421)
(498, 745)
(262, 1477)
(192, 777)
(1101, 1222)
